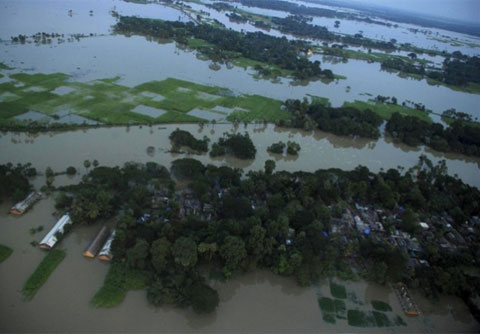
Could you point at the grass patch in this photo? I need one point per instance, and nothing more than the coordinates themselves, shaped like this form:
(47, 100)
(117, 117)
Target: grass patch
(326, 305)
(381, 306)
(43, 271)
(381, 319)
(359, 318)
(338, 290)
(5, 252)
(387, 110)
(118, 281)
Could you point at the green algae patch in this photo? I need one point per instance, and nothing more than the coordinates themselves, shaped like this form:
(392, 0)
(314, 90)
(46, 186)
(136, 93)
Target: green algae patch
(43, 272)
(118, 281)
(381, 306)
(338, 290)
(359, 318)
(5, 252)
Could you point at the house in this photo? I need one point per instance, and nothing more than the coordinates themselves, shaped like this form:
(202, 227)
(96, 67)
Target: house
(21, 207)
(51, 238)
(96, 244)
(105, 253)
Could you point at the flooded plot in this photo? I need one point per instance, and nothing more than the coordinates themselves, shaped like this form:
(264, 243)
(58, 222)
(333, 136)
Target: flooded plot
(183, 90)
(32, 116)
(75, 119)
(63, 90)
(34, 89)
(205, 114)
(155, 97)
(224, 110)
(207, 97)
(148, 111)
(7, 96)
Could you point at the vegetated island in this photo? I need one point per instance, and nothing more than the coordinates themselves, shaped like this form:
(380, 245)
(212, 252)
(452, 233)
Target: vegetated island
(279, 55)
(384, 227)
(460, 136)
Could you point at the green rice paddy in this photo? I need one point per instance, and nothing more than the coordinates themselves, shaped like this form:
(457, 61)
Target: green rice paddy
(107, 102)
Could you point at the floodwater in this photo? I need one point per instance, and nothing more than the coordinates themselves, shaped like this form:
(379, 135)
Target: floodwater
(254, 302)
(319, 150)
(109, 56)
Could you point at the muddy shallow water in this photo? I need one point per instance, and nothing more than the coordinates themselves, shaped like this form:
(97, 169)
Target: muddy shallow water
(254, 302)
(319, 150)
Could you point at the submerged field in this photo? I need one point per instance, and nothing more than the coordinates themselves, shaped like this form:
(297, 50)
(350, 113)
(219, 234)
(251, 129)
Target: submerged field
(55, 98)
(44, 99)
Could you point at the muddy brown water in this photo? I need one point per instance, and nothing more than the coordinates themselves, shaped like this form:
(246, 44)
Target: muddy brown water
(319, 150)
(255, 302)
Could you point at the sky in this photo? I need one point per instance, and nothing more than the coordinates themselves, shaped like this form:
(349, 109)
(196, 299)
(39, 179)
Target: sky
(464, 10)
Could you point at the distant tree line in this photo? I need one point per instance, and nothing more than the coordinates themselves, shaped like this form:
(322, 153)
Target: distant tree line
(299, 26)
(295, 9)
(342, 121)
(228, 44)
(457, 137)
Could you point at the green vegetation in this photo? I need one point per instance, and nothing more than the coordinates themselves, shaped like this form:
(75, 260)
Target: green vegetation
(234, 223)
(326, 304)
(43, 271)
(459, 137)
(185, 138)
(359, 318)
(14, 184)
(338, 290)
(381, 319)
(118, 281)
(277, 147)
(108, 103)
(381, 306)
(238, 145)
(344, 121)
(229, 44)
(5, 252)
(293, 148)
(385, 110)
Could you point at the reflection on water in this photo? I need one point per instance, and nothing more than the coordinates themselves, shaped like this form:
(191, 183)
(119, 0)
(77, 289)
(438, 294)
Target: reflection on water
(319, 150)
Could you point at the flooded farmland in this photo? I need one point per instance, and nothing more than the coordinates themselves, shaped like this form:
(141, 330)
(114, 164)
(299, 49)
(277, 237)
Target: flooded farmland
(256, 301)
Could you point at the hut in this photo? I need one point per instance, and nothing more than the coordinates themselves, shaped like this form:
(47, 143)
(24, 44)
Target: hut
(106, 252)
(51, 238)
(21, 207)
(97, 242)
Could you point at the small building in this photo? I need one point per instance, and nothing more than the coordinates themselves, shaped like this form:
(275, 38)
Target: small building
(105, 253)
(21, 207)
(51, 238)
(97, 243)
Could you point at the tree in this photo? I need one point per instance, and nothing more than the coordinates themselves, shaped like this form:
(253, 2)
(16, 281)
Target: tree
(71, 170)
(87, 164)
(269, 166)
(204, 299)
(137, 255)
(95, 163)
(185, 251)
(159, 251)
(233, 252)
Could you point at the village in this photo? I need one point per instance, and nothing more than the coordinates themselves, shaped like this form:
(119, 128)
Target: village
(354, 223)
